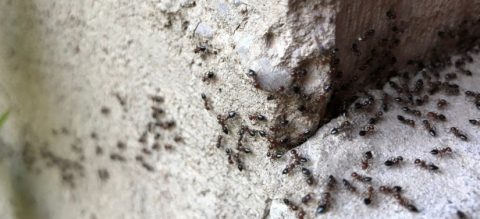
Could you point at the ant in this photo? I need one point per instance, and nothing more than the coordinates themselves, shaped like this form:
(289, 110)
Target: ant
(239, 162)
(441, 151)
(395, 191)
(301, 213)
(424, 165)
(472, 94)
(290, 204)
(437, 117)
(306, 198)
(442, 103)
(228, 151)
(157, 99)
(208, 77)
(474, 121)
(157, 112)
(251, 73)
(466, 72)
(331, 182)
(345, 125)
(406, 121)
(324, 204)
(394, 161)
(219, 141)
(412, 111)
(297, 160)
(365, 179)
(366, 130)
(458, 134)
(461, 215)
(385, 102)
(405, 203)
(390, 190)
(349, 186)
(418, 86)
(310, 180)
(205, 101)
(231, 114)
(200, 49)
(366, 157)
(257, 117)
(325, 201)
(450, 76)
(451, 89)
(222, 121)
(429, 127)
(421, 101)
(368, 199)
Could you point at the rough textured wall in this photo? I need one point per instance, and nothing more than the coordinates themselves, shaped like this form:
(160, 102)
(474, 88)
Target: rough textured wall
(108, 120)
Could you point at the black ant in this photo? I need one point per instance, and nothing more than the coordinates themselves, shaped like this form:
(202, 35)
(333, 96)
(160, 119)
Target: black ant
(366, 157)
(441, 151)
(345, 125)
(461, 215)
(219, 141)
(231, 114)
(251, 73)
(365, 179)
(394, 161)
(405, 203)
(157, 99)
(366, 130)
(442, 103)
(239, 162)
(390, 190)
(421, 101)
(290, 204)
(474, 121)
(411, 111)
(406, 121)
(349, 186)
(368, 199)
(458, 134)
(437, 116)
(450, 76)
(117, 157)
(200, 49)
(301, 213)
(229, 152)
(466, 72)
(451, 89)
(221, 120)
(429, 127)
(297, 160)
(418, 86)
(395, 192)
(306, 198)
(257, 117)
(208, 77)
(385, 102)
(310, 180)
(424, 165)
(325, 201)
(205, 101)
(324, 204)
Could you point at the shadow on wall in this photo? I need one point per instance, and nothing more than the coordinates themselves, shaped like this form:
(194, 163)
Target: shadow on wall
(18, 79)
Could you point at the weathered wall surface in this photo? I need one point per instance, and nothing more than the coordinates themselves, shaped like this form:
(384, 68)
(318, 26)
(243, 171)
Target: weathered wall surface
(108, 121)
